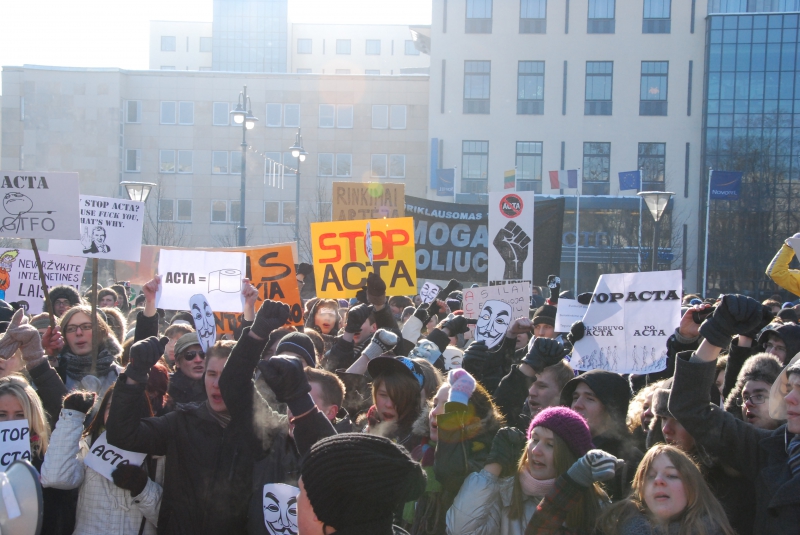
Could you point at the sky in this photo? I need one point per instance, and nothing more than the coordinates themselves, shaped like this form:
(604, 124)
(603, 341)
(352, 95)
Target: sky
(115, 33)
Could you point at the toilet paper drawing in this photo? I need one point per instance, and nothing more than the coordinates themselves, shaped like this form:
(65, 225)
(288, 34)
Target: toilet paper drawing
(216, 275)
(225, 280)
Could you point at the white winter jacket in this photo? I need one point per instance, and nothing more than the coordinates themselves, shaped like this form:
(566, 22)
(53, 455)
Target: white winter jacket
(103, 508)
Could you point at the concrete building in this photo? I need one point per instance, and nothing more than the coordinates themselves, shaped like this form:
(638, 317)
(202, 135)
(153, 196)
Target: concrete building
(182, 46)
(173, 129)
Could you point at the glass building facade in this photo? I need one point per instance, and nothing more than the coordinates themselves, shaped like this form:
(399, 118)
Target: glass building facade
(249, 35)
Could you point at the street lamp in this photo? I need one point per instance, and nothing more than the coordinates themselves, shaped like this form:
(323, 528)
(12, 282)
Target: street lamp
(137, 191)
(656, 202)
(300, 153)
(248, 121)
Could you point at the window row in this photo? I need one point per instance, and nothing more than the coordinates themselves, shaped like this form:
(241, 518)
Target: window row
(169, 43)
(229, 211)
(372, 47)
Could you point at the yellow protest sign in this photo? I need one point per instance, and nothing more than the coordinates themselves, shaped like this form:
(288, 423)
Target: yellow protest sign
(341, 263)
(367, 200)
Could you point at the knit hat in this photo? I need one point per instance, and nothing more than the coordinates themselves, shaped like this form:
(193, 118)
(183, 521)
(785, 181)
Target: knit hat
(788, 314)
(568, 425)
(357, 478)
(386, 364)
(545, 314)
(63, 291)
(185, 342)
(182, 316)
(42, 321)
(455, 301)
(301, 344)
(6, 311)
(611, 389)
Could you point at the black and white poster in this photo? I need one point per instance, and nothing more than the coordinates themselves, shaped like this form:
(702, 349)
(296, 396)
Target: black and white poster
(511, 232)
(39, 205)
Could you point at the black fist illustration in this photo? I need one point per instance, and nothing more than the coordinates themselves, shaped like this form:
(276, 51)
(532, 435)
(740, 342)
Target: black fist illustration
(512, 244)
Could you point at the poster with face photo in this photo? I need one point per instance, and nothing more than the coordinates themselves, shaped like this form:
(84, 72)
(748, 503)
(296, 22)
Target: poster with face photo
(495, 308)
(280, 508)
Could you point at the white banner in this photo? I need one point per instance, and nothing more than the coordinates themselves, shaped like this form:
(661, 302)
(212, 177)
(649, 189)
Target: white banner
(110, 229)
(39, 205)
(104, 458)
(15, 442)
(511, 233)
(495, 307)
(568, 312)
(628, 322)
(19, 276)
(185, 273)
(429, 292)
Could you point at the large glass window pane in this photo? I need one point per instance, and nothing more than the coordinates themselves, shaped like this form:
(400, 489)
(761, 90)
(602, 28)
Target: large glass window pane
(166, 161)
(596, 162)
(380, 116)
(304, 46)
(344, 164)
(272, 212)
(601, 9)
(654, 80)
(529, 160)
(219, 211)
(274, 115)
(185, 158)
(291, 115)
(652, 162)
(398, 116)
(397, 166)
(479, 9)
(133, 160)
(133, 111)
(474, 166)
(378, 168)
(184, 210)
(219, 162)
(477, 79)
(343, 46)
(327, 113)
(373, 47)
(533, 9)
(325, 164)
(168, 43)
(344, 116)
(657, 9)
(599, 80)
(530, 80)
(168, 112)
(186, 113)
(166, 210)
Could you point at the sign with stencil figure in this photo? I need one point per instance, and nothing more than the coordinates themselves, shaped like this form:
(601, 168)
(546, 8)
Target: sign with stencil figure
(39, 205)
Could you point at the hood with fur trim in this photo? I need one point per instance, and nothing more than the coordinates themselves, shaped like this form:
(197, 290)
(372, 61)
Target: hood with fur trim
(788, 332)
(759, 367)
(63, 291)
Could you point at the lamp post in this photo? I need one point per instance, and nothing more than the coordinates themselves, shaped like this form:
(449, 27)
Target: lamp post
(656, 202)
(248, 121)
(300, 153)
(137, 191)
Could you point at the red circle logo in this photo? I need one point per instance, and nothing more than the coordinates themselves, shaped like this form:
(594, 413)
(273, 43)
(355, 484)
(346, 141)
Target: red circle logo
(511, 205)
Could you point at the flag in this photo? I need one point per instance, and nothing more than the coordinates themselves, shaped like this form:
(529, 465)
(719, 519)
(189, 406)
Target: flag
(726, 185)
(510, 179)
(445, 182)
(564, 179)
(630, 180)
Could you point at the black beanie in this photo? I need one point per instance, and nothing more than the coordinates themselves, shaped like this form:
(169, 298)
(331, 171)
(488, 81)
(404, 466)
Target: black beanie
(611, 389)
(301, 344)
(545, 314)
(357, 478)
(6, 311)
(63, 291)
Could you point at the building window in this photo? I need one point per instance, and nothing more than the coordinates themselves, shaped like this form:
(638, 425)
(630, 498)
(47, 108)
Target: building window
(236, 162)
(344, 116)
(398, 117)
(303, 71)
(342, 71)
(272, 212)
(596, 168)
(289, 209)
(529, 166)
(373, 47)
(344, 164)
(601, 16)
(185, 162)
(273, 115)
(219, 211)
(304, 46)
(184, 210)
(477, 81)
(397, 166)
(289, 161)
(479, 16)
(291, 115)
(133, 111)
(474, 166)
(220, 114)
(186, 113)
(325, 164)
(653, 88)
(219, 162)
(166, 210)
(599, 84)
(327, 115)
(168, 110)
(343, 46)
(652, 162)
(411, 50)
(530, 88)
(205, 44)
(656, 16)
(372, 72)
(168, 43)
(133, 161)
(533, 16)
(380, 116)
(166, 161)
(378, 166)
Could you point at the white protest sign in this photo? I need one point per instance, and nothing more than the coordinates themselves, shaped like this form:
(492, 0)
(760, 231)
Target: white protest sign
(368, 244)
(495, 307)
(104, 458)
(39, 205)
(280, 508)
(204, 321)
(628, 322)
(185, 273)
(429, 292)
(110, 229)
(568, 312)
(15, 442)
(511, 232)
(19, 276)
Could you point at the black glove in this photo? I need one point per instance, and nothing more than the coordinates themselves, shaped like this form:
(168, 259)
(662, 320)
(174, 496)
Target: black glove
(130, 477)
(736, 314)
(80, 400)
(272, 315)
(458, 325)
(361, 295)
(452, 286)
(576, 332)
(144, 354)
(507, 448)
(475, 358)
(766, 318)
(356, 317)
(287, 379)
(421, 313)
(376, 290)
(554, 283)
(545, 352)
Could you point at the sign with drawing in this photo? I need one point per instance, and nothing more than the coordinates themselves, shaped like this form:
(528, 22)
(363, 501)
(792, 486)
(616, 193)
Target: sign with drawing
(185, 273)
(511, 232)
(495, 307)
(204, 321)
(19, 276)
(39, 205)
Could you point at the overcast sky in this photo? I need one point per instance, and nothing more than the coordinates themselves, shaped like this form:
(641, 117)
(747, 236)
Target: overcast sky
(114, 33)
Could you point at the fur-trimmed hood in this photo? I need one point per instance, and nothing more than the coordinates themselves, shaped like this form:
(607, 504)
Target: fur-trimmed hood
(760, 367)
(65, 292)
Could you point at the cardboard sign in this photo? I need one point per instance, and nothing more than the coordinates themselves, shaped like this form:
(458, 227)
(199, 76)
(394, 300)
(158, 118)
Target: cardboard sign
(204, 321)
(185, 273)
(628, 322)
(341, 263)
(110, 229)
(511, 235)
(568, 312)
(280, 508)
(367, 200)
(19, 276)
(39, 205)
(104, 458)
(495, 307)
(15, 442)
(429, 292)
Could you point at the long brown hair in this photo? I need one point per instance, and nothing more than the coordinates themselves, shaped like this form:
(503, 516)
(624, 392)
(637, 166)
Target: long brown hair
(102, 327)
(702, 511)
(404, 391)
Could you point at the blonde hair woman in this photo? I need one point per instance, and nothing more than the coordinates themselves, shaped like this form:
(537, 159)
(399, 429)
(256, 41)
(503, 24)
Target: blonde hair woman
(18, 401)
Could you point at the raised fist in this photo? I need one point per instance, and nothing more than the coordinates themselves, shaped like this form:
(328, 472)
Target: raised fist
(512, 244)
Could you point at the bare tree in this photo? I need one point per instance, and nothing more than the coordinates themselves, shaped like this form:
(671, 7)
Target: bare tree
(162, 232)
(229, 237)
(316, 209)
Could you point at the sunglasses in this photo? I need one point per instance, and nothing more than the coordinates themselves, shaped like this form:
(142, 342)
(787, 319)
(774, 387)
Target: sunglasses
(191, 355)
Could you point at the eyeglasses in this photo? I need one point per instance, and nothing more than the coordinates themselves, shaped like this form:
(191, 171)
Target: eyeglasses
(191, 355)
(61, 302)
(85, 327)
(758, 399)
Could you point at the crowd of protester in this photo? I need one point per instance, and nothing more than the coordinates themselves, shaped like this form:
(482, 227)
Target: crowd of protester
(389, 418)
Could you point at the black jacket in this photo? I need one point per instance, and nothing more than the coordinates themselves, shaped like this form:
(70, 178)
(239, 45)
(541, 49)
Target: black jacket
(490, 371)
(510, 397)
(183, 389)
(343, 353)
(620, 446)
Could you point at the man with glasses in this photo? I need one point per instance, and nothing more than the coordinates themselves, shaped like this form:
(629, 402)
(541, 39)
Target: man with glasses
(63, 298)
(750, 396)
(186, 384)
(782, 341)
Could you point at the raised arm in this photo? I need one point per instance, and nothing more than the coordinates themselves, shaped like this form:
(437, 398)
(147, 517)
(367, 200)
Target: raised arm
(778, 269)
(147, 320)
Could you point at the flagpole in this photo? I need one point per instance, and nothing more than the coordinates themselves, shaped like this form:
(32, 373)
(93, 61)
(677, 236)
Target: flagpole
(640, 220)
(708, 215)
(577, 226)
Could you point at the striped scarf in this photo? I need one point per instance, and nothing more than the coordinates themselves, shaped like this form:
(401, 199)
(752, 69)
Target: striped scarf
(793, 449)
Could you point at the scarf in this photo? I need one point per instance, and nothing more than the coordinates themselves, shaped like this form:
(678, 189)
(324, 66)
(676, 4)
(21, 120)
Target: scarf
(535, 487)
(793, 449)
(79, 367)
(222, 418)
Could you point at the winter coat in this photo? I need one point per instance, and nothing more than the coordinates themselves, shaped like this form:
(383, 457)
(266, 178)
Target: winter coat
(759, 455)
(622, 447)
(510, 397)
(183, 389)
(490, 371)
(343, 353)
(778, 270)
(103, 507)
(551, 513)
(482, 505)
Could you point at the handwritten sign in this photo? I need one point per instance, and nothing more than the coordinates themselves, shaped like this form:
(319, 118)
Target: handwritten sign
(15, 442)
(367, 200)
(104, 458)
(19, 276)
(568, 312)
(495, 307)
(185, 273)
(39, 205)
